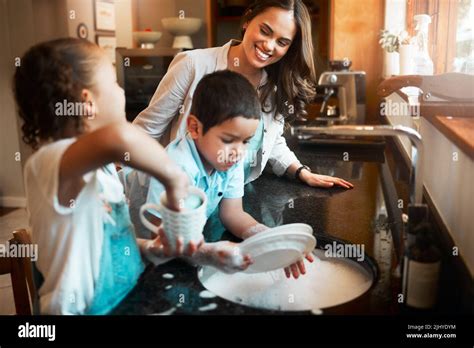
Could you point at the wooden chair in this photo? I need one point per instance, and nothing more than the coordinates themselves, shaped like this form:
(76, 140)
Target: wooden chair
(21, 273)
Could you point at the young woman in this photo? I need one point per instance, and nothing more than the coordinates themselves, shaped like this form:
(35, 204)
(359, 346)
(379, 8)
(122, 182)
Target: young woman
(276, 56)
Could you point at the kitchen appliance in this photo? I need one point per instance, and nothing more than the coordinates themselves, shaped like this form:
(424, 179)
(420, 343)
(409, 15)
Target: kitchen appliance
(340, 96)
(343, 98)
(139, 72)
(340, 100)
(340, 65)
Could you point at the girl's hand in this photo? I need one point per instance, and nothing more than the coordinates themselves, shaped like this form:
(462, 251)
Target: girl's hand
(317, 180)
(298, 268)
(177, 190)
(162, 249)
(225, 256)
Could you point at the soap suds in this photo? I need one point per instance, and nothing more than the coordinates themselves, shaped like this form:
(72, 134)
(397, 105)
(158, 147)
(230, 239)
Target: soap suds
(206, 294)
(168, 312)
(209, 307)
(168, 276)
(328, 282)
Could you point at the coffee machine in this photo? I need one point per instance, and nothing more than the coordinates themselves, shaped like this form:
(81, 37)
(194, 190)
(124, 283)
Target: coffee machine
(340, 97)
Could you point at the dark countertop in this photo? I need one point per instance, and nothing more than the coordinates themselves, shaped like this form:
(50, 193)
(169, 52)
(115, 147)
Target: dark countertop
(348, 215)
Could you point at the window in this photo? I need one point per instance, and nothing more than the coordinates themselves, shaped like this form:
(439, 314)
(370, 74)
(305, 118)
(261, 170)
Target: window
(464, 52)
(451, 36)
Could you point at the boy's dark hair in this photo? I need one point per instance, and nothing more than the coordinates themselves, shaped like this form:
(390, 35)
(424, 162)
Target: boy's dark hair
(49, 73)
(223, 95)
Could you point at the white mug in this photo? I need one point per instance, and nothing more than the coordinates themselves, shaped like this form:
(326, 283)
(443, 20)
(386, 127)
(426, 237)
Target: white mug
(187, 223)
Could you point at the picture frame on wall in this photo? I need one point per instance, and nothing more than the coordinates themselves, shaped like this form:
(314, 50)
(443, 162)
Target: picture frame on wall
(104, 11)
(108, 43)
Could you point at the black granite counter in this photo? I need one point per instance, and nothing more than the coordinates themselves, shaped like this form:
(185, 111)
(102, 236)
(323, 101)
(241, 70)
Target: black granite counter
(354, 216)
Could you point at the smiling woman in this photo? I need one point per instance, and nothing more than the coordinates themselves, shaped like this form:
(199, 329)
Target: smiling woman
(276, 35)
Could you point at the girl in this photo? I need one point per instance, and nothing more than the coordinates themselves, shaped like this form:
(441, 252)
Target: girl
(73, 110)
(276, 56)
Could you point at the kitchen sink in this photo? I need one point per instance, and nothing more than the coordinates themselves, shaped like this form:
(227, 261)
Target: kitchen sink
(329, 281)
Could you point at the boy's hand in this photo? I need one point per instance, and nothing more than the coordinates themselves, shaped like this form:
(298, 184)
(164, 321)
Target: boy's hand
(298, 268)
(225, 256)
(253, 230)
(295, 269)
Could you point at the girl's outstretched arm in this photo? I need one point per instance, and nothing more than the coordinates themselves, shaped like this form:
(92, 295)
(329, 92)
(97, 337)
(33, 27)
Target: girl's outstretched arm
(119, 142)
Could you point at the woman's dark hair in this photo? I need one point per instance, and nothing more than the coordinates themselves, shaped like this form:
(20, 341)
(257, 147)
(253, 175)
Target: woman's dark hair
(49, 73)
(223, 95)
(294, 76)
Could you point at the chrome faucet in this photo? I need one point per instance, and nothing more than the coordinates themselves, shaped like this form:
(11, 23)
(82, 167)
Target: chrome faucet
(416, 177)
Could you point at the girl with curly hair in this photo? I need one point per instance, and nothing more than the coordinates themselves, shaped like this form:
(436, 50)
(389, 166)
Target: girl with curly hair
(88, 255)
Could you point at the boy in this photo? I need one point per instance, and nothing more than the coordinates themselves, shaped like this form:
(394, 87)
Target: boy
(225, 114)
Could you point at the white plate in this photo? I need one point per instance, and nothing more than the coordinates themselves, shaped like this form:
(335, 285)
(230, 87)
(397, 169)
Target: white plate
(281, 230)
(279, 247)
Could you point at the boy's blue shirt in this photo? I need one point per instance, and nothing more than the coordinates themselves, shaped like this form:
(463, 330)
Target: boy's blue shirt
(217, 185)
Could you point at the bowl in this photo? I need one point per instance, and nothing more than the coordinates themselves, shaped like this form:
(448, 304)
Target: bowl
(147, 37)
(181, 26)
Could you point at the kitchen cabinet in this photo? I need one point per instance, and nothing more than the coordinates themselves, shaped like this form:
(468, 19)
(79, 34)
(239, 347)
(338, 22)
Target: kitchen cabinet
(353, 33)
(139, 72)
